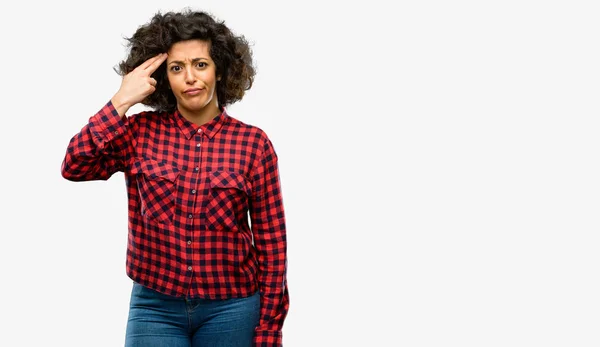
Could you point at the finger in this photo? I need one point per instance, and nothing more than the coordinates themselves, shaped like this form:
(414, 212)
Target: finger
(149, 61)
(156, 63)
(152, 81)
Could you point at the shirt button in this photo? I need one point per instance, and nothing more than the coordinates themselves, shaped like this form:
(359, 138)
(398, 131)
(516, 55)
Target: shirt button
(116, 133)
(190, 216)
(197, 168)
(193, 191)
(189, 242)
(199, 131)
(190, 268)
(198, 145)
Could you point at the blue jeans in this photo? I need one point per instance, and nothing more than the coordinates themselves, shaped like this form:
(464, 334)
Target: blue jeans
(159, 320)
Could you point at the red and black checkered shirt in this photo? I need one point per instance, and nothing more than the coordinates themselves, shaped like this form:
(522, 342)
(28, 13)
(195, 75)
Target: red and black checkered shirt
(190, 191)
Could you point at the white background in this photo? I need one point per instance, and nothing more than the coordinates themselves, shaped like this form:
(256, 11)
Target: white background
(439, 163)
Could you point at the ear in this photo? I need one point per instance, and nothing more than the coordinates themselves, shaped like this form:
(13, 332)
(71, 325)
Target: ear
(218, 78)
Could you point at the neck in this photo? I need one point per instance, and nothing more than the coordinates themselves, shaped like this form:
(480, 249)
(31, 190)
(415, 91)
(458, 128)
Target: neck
(202, 116)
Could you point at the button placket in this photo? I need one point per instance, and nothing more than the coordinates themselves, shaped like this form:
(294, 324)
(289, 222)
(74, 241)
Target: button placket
(197, 168)
(193, 192)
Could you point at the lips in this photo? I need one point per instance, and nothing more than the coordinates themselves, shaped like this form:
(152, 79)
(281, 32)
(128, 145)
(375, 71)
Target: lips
(193, 91)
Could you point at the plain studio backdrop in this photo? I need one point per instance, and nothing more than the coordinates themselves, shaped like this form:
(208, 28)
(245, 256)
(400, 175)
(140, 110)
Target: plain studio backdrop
(439, 165)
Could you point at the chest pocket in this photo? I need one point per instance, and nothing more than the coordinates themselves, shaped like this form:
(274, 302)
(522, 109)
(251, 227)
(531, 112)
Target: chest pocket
(227, 203)
(156, 183)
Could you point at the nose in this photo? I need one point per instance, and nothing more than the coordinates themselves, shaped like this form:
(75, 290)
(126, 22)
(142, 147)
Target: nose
(189, 76)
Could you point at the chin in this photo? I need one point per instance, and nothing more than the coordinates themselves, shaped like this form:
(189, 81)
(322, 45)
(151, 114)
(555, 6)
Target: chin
(195, 106)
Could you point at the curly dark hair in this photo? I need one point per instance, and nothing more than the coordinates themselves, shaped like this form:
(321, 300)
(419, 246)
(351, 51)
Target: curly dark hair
(231, 53)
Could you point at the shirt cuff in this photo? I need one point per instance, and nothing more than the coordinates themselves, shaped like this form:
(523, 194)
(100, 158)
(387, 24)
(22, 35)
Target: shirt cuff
(106, 124)
(267, 339)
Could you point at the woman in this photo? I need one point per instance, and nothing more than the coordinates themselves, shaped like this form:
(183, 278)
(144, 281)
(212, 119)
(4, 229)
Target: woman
(204, 275)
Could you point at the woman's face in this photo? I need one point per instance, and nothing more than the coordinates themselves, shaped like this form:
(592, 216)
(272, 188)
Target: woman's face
(192, 76)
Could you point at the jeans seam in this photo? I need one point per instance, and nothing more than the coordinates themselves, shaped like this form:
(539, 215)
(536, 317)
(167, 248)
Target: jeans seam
(189, 316)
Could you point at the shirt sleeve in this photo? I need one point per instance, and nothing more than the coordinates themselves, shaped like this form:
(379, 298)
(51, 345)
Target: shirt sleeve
(268, 227)
(99, 149)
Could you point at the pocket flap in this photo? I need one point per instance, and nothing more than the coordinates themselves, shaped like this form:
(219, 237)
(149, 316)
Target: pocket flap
(228, 179)
(155, 169)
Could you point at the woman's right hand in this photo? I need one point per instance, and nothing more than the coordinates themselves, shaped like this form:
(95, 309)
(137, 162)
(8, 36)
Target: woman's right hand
(137, 84)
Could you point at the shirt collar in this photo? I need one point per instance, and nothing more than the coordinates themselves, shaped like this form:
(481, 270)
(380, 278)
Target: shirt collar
(209, 128)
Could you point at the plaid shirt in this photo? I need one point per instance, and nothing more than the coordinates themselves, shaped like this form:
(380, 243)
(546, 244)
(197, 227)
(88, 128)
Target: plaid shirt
(190, 190)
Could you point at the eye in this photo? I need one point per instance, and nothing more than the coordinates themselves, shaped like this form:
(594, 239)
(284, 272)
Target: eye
(175, 68)
(201, 64)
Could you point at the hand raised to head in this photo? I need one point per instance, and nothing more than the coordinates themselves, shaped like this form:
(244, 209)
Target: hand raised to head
(138, 84)
(150, 65)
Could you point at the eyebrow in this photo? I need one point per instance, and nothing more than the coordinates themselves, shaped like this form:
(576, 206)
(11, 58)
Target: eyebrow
(193, 61)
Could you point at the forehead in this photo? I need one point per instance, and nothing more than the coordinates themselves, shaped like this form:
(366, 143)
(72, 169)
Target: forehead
(190, 49)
